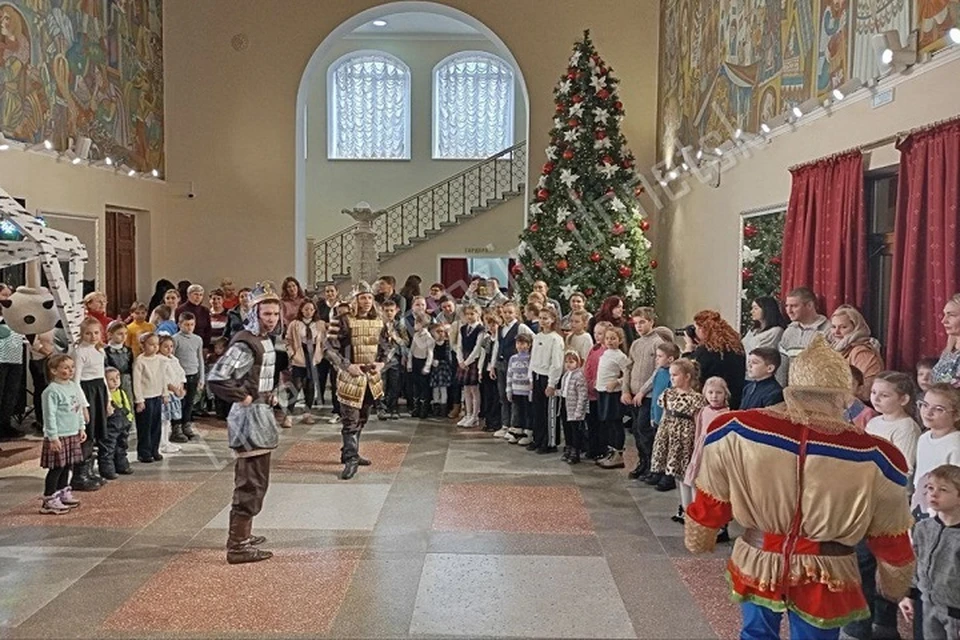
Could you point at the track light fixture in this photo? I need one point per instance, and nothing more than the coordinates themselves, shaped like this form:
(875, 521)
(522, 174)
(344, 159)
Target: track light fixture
(41, 147)
(805, 107)
(892, 54)
(4, 144)
(850, 86)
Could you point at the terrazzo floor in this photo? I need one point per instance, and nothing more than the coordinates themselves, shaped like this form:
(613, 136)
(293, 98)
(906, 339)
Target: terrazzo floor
(449, 534)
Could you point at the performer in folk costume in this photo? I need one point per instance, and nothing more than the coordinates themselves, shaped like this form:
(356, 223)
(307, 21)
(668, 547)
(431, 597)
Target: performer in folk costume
(358, 344)
(245, 377)
(807, 488)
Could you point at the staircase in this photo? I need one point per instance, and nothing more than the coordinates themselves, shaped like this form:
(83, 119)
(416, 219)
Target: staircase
(426, 214)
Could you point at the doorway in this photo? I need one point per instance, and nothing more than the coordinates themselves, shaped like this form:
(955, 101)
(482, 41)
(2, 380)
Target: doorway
(121, 254)
(456, 271)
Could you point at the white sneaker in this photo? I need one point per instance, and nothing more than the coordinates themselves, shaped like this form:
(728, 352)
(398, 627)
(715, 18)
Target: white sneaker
(463, 421)
(525, 440)
(511, 438)
(170, 448)
(501, 432)
(471, 422)
(334, 419)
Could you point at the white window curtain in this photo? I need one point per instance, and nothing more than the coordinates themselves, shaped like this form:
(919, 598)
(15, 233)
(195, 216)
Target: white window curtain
(369, 107)
(473, 106)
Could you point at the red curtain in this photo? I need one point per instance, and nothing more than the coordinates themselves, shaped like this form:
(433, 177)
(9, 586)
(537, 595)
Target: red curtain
(825, 233)
(926, 266)
(454, 276)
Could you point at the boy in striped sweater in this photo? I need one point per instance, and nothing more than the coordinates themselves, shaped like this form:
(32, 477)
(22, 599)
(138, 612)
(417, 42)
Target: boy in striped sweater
(519, 390)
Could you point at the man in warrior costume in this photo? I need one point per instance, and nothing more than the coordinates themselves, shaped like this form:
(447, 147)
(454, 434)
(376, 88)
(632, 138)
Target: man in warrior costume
(357, 345)
(806, 487)
(244, 375)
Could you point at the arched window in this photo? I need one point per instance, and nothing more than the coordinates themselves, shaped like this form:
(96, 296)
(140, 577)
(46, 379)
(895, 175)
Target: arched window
(472, 106)
(368, 111)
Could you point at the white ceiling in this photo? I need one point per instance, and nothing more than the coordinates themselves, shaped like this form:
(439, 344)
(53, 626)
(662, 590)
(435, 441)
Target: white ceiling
(417, 24)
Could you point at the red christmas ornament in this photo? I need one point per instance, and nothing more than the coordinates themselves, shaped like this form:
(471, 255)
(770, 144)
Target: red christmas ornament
(644, 225)
(627, 163)
(603, 94)
(568, 154)
(561, 107)
(571, 226)
(654, 264)
(577, 99)
(538, 264)
(625, 271)
(618, 105)
(596, 59)
(750, 231)
(602, 70)
(588, 291)
(639, 191)
(534, 228)
(595, 256)
(516, 269)
(572, 74)
(600, 134)
(573, 123)
(562, 265)
(542, 195)
(548, 168)
(776, 261)
(746, 275)
(618, 229)
(607, 160)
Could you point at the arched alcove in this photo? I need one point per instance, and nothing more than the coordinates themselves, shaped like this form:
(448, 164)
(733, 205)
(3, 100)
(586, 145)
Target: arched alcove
(316, 71)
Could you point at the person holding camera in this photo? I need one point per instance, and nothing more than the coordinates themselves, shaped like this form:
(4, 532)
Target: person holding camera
(717, 348)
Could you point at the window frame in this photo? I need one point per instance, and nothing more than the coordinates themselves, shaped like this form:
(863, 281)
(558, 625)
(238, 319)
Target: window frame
(332, 121)
(435, 116)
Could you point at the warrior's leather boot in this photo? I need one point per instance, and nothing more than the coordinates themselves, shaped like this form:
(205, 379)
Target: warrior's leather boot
(350, 455)
(241, 546)
(82, 479)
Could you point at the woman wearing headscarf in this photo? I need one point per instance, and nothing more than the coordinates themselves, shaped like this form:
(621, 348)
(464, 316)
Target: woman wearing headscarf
(851, 337)
(163, 285)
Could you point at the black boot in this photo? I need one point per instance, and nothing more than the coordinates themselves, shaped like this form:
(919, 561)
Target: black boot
(82, 479)
(652, 478)
(566, 455)
(723, 536)
(189, 432)
(176, 433)
(424, 410)
(640, 470)
(241, 546)
(350, 455)
(574, 456)
(667, 483)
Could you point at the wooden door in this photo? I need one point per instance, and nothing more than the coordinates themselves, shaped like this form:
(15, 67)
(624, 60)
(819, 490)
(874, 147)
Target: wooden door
(121, 249)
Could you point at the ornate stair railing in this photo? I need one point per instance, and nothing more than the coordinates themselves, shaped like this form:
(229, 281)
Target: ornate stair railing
(426, 214)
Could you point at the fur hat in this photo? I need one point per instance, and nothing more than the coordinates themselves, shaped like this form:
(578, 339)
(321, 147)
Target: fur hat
(361, 288)
(263, 292)
(819, 366)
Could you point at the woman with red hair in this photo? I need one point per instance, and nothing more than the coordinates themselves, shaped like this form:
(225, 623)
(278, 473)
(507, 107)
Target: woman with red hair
(719, 352)
(612, 311)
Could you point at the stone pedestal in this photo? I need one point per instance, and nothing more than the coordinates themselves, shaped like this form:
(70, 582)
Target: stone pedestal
(365, 263)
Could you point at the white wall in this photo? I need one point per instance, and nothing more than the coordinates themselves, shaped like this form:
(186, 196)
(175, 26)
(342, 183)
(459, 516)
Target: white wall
(698, 237)
(333, 185)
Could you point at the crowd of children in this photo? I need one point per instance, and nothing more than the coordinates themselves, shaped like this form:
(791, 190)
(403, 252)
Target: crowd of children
(524, 373)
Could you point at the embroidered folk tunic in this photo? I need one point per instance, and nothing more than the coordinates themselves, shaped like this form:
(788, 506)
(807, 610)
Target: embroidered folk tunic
(809, 495)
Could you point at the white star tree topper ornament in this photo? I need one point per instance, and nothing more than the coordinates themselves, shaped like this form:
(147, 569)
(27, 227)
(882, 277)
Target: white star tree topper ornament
(551, 152)
(562, 214)
(536, 208)
(631, 291)
(608, 170)
(620, 253)
(576, 110)
(575, 58)
(601, 115)
(564, 87)
(598, 82)
(562, 247)
(568, 177)
(606, 143)
(617, 205)
(748, 255)
(570, 136)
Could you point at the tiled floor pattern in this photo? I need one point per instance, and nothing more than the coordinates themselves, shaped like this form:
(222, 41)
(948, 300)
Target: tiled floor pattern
(449, 534)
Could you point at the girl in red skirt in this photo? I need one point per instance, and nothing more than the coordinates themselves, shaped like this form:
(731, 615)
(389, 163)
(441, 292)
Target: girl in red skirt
(64, 416)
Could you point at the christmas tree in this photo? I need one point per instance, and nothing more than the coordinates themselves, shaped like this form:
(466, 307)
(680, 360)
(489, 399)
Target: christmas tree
(586, 231)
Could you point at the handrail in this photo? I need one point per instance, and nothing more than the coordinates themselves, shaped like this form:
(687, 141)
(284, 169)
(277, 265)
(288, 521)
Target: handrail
(454, 192)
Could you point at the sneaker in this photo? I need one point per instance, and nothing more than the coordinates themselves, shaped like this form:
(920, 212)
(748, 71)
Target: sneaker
(614, 461)
(308, 418)
(512, 438)
(334, 419)
(462, 422)
(526, 440)
(393, 415)
(67, 499)
(169, 448)
(287, 422)
(501, 432)
(471, 422)
(52, 505)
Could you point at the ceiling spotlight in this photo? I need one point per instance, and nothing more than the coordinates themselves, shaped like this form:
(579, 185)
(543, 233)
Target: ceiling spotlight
(76, 160)
(892, 54)
(685, 166)
(764, 127)
(132, 172)
(379, 23)
(848, 87)
(4, 145)
(673, 175)
(46, 145)
(805, 107)
(699, 154)
(738, 133)
(155, 173)
(954, 35)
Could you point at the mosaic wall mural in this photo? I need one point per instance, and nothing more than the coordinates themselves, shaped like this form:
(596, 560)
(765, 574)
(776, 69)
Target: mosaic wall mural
(728, 64)
(87, 67)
